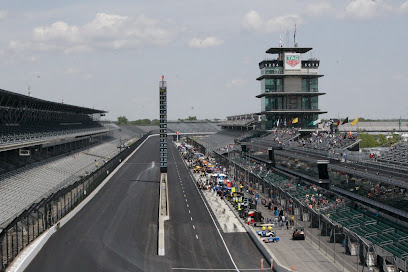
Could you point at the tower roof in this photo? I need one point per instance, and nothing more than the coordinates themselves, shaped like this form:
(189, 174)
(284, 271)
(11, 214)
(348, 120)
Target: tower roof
(278, 50)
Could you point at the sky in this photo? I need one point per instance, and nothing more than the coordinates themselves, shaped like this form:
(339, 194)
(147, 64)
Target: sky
(111, 55)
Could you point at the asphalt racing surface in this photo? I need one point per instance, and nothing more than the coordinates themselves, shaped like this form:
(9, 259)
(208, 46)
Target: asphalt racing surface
(117, 229)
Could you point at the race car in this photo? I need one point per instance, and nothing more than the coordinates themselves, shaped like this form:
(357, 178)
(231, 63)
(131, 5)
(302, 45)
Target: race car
(197, 169)
(264, 233)
(298, 234)
(271, 239)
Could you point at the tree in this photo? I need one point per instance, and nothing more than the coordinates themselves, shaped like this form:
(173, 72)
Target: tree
(367, 140)
(192, 118)
(155, 122)
(122, 121)
(382, 139)
(141, 122)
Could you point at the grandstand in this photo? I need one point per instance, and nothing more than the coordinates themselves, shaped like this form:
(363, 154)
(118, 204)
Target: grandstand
(382, 236)
(278, 137)
(328, 141)
(45, 145)
(26, 119)
(375, 126)
(192, 127)
(242, 122)
(397, 154)
(34, 129)
(223, 139)
(375, 229)
(22, 187)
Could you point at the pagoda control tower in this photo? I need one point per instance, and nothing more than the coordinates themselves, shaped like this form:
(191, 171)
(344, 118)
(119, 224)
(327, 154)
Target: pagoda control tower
(289, 89)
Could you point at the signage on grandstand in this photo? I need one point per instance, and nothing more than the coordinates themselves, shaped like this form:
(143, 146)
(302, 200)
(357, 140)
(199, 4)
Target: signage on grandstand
(24, 152)
(292, 61)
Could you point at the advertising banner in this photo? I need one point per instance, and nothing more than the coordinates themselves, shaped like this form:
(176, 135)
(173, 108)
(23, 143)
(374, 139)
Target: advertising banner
(292, 61)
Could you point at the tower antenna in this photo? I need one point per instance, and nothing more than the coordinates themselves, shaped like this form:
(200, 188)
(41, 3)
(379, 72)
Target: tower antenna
(294, 36)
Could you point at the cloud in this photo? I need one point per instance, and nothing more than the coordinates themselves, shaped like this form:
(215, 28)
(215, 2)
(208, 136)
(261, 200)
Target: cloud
(235, 82)
(3, 14)
(253, 22)
(71, 71)
(203, 43)
(318, 9)
(58, 31)
(404, 7)
(105, 31)
(366, 9)
(398, 77)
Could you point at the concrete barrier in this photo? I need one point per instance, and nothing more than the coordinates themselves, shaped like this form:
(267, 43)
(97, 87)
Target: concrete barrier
(163, 213)
(25, 257)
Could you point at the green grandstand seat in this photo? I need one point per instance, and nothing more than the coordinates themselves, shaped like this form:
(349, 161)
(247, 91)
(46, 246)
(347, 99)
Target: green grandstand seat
(393, 250)
(386, 227)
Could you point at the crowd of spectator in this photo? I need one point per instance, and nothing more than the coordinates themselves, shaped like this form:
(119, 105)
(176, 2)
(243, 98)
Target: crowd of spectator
(327, 140)
(309, 195)
(282, 136)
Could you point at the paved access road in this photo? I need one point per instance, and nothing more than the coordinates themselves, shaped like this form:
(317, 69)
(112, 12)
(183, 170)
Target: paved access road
(117, 230)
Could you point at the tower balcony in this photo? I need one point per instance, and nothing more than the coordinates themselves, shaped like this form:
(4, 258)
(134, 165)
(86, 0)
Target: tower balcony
(297, 111)
(280, 74)
(281, 93)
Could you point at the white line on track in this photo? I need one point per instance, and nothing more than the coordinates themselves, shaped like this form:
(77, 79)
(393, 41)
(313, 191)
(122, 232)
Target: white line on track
(193, 227)
(187, 206)
(196, 236)
(189, 211)
(191, 218)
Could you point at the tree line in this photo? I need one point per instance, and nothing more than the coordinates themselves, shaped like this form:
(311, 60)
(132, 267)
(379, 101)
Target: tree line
(368, 140)
(123, 121)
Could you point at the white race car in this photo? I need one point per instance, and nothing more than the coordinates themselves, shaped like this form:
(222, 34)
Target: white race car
(266, 233)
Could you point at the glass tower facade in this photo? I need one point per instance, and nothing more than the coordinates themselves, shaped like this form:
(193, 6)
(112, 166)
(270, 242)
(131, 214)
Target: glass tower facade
(289, 89)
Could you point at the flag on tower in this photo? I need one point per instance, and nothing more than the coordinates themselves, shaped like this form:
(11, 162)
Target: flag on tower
(318, 121)
(295, 120)
(345, 121)
(354, 122)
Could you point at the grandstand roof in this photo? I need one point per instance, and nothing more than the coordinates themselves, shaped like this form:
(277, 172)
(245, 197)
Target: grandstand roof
(10, 99)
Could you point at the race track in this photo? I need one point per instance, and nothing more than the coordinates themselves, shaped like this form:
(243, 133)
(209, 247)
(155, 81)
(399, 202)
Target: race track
(117, 229)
